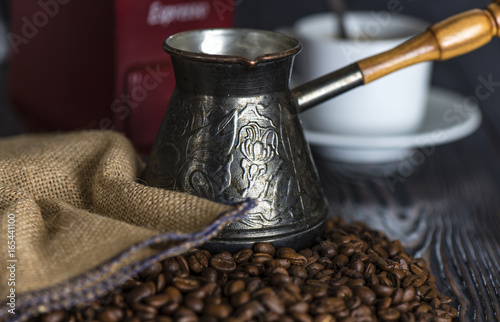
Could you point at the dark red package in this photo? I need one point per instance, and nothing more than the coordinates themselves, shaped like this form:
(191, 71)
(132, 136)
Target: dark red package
(99, 64)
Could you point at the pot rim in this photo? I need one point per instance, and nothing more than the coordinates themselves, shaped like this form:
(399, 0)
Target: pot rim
(208, 45)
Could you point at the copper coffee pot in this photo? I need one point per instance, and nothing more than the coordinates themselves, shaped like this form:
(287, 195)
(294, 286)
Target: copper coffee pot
(231, 131)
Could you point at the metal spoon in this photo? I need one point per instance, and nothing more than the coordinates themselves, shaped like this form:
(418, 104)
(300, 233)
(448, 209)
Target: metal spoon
(339, 7)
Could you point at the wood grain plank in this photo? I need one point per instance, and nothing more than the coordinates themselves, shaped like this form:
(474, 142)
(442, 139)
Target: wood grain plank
(446, 211)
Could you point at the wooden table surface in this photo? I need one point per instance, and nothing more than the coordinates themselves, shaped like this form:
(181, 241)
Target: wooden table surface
(445, 210)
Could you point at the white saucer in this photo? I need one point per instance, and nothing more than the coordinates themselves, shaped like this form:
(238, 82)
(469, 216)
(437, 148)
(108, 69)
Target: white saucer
(450, 117)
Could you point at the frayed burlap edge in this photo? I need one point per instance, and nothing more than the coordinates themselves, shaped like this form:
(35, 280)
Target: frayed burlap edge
(99, 281)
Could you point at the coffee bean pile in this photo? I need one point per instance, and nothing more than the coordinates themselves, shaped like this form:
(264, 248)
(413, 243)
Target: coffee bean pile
(353, 274)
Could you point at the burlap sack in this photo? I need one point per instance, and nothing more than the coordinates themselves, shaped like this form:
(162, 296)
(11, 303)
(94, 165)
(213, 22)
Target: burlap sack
(75, 224)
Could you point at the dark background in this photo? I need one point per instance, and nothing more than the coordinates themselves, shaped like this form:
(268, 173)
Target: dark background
(461, 74)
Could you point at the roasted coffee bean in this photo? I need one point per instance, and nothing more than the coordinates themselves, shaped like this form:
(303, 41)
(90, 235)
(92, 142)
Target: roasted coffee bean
(254, 285)
(328, 249)
(384, 303)
(163, 319)
(185, 284)
(261, 258)
(325, 272)
(145, 312)
(315, 267)
(344, 315)
(248, 311)
(130, 284)
(223, 262)
(237, 275)
(253, 269)
(384, 280)
(284, 250)
(201, 292)
(140, 292)
(340, 260)
(299, 307)
(169, 308)
(219, 311)
(234, 287)
(394, 248)
(264, 248)
(157, 300)
(324, 318)
(414, 304)
(272, 303)
(340, 239)
(54, 316)
(403, 307)
(278, 279)
(184, 314)
(357, 265)
(435, 303)
(352, 273)
(342, 291)
(316, 291)
(238, 299)
(118, 301)
(173, 294)
(326, 262)
(389, 314)
(408, 317)
(210, 274)
(362, 313)
(383, 290)
(380, 250)
(354, 283)
(408, 294)
(339, 281)
(302, 317)
(294, 258)
(353, 302)
(371, 280)
(429, 293)
(419, 281)
(194, 304)
(297, 271)
(198, 261)
(399, 274)
(417, 270)
(360, 256)
(347, 249)
(243, 255)
(424, 308)
(183, 266)
(289, 293)
(420, 262)
(398, 296)
(311, 259)
(444, 299)
(171, 266)
(161, 282)
(279, 262)
(366, 295)
(153, 270)
(110, 314)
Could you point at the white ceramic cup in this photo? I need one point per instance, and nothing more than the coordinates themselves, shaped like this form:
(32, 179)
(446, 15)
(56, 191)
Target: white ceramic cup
(392, 105)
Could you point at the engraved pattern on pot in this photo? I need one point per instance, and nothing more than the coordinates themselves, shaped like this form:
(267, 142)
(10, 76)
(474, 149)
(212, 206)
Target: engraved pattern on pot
(236, 154)
(258, 146)
(257, 150)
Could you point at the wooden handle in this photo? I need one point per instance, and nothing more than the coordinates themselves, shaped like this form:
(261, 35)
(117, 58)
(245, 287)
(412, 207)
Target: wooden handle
(450, 38)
